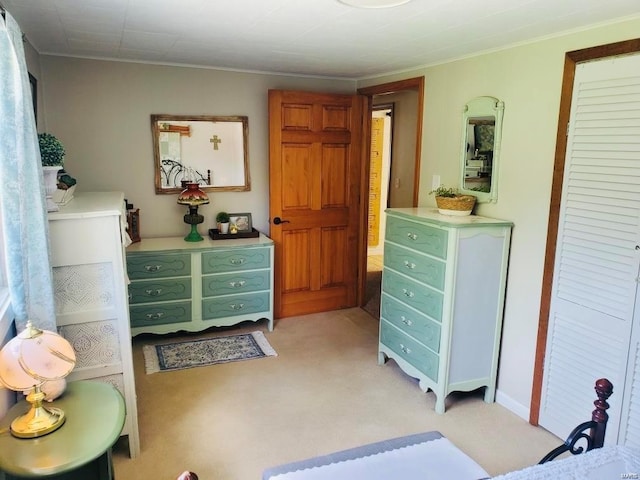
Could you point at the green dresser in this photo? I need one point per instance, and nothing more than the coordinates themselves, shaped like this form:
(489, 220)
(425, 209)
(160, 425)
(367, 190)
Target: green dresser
(177, 285)
(442, 299)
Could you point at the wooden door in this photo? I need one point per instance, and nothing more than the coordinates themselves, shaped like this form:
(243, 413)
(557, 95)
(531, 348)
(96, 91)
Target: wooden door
(315, 159)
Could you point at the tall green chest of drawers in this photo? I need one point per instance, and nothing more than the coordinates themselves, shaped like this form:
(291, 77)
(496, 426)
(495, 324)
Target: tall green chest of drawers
(443, 285)
(177, 285)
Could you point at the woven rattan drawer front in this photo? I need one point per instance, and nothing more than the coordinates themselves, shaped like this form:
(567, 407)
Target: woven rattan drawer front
(160, 314)
(235, 260)
(141, 267)
(232, 305)
(410, 350)
(424, 238)
(234, 283)
(145, 291)
(422, 268)
(414, 294)
(418, 326)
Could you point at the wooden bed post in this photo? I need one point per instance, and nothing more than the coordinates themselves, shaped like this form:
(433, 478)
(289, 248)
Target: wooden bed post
(597, 426)
(604, 389)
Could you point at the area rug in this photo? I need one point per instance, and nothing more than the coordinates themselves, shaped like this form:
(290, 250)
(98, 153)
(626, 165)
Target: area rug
(206, 351)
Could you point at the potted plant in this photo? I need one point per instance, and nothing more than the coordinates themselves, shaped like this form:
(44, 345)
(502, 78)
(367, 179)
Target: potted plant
(450, 202)
(52, 157)
(222, 219)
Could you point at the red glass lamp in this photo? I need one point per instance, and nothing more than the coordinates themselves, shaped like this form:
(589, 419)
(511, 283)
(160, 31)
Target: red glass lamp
(193, 197)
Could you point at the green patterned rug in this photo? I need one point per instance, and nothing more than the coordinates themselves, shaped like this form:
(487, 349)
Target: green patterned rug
(206, 351)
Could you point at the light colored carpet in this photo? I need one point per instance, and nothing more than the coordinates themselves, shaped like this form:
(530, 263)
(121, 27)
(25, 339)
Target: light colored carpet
(323, 392)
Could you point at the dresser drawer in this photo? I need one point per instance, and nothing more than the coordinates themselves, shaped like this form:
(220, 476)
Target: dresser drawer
(158, 266)
(160, 314)
(414, 235)
(146, 291)
(407, 348)
(231, 305)
(418, 326)
(420, 297)
(234, 283)
(424, 269)
(235, 260)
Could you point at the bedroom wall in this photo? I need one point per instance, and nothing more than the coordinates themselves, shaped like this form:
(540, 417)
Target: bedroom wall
(101, 111)
(528, 79)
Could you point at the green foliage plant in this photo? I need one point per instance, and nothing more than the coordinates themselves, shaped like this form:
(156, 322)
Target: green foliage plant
(222, 217)
(51, 150)
(443, 191)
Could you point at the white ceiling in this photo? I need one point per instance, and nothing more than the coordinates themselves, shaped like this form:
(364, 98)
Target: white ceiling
(308, 37)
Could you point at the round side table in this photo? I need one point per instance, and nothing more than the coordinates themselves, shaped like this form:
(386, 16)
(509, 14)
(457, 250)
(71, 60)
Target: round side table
(80, 448)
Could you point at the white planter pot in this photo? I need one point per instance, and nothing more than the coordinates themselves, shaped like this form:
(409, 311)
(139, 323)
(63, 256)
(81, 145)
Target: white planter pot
(51, 185)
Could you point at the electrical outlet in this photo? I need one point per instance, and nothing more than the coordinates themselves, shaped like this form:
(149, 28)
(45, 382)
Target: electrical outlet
(435, 182)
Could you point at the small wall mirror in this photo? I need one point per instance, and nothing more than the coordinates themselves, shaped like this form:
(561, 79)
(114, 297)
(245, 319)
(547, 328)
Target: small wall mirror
(481, 137)
(209, 150)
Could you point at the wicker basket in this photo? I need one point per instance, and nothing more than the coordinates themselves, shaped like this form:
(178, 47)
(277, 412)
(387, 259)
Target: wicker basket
(458, 205)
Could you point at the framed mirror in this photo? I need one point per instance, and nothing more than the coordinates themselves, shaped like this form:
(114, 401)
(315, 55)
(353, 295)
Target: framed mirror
(481, 138)
(213, 151)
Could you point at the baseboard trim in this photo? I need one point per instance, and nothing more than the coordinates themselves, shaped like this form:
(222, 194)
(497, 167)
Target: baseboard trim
(510, 404)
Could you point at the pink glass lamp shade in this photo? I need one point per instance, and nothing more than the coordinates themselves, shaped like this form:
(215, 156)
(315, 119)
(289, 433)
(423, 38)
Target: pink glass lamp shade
(26, 362)
(193, 197)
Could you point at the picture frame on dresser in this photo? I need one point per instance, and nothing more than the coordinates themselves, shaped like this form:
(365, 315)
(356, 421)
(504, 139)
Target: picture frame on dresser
(242, 221)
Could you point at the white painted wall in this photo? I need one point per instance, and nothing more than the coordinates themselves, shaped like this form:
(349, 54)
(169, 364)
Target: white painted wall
(101, 112)
(528, 79)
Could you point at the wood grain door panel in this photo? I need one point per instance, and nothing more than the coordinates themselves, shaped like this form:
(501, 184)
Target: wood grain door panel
(315, 163)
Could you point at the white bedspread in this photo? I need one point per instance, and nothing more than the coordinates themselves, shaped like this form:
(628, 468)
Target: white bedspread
(607, 463)
(436, 459)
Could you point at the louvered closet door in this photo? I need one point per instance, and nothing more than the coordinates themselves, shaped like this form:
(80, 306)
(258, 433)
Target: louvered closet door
(594, 296)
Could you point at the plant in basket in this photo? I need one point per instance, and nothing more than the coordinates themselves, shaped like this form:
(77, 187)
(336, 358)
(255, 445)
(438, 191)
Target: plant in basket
(450, 202)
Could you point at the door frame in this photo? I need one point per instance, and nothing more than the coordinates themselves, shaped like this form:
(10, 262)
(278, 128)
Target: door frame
(566, 92)
(416, 83)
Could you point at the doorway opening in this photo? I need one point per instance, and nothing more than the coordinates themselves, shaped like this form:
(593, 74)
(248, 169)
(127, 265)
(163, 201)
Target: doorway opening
(399, 177)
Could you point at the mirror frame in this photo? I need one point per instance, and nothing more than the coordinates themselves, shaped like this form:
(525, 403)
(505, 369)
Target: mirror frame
(483, 107)
(156, 119)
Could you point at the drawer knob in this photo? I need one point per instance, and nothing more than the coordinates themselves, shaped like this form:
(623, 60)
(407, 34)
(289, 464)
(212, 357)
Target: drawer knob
(408, 293)
(412, 236)
(409, 265)
(155, 316)
(406, 350)
(152, 268)
(237, 261)
(238, 284)
(153, 293)
(406, 321)
(237, 306)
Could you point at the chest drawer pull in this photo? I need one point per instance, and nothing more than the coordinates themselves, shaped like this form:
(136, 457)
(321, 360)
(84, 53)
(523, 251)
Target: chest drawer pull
(408, 293)
(406, 321)
(153, 293)
(237, 261)
(155, 316)
(406, 350)
(409, 265)
(152, 268)
(237, 306)
(238, 284)
(412, 236)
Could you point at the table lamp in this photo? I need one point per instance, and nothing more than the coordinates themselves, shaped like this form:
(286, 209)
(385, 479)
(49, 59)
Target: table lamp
(193, 197)
(28, 360)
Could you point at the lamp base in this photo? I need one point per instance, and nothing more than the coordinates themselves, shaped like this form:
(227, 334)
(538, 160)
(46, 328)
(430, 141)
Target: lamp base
(194, 236)
(37, 422)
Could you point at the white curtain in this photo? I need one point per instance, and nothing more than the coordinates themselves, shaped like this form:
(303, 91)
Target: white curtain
(22, 198)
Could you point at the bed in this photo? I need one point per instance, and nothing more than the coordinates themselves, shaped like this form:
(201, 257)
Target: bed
(431, 456)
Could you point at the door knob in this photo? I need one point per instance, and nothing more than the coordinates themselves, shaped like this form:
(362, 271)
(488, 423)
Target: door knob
(278, 221)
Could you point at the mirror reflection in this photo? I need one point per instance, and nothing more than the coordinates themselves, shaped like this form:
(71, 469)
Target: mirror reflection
(209, 150)
(481, 134)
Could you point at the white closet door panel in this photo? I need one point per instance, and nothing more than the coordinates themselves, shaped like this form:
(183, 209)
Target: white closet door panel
(630, 425)
(596, 266)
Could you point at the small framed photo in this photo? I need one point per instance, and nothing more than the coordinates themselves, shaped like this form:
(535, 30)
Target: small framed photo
(242, 221)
